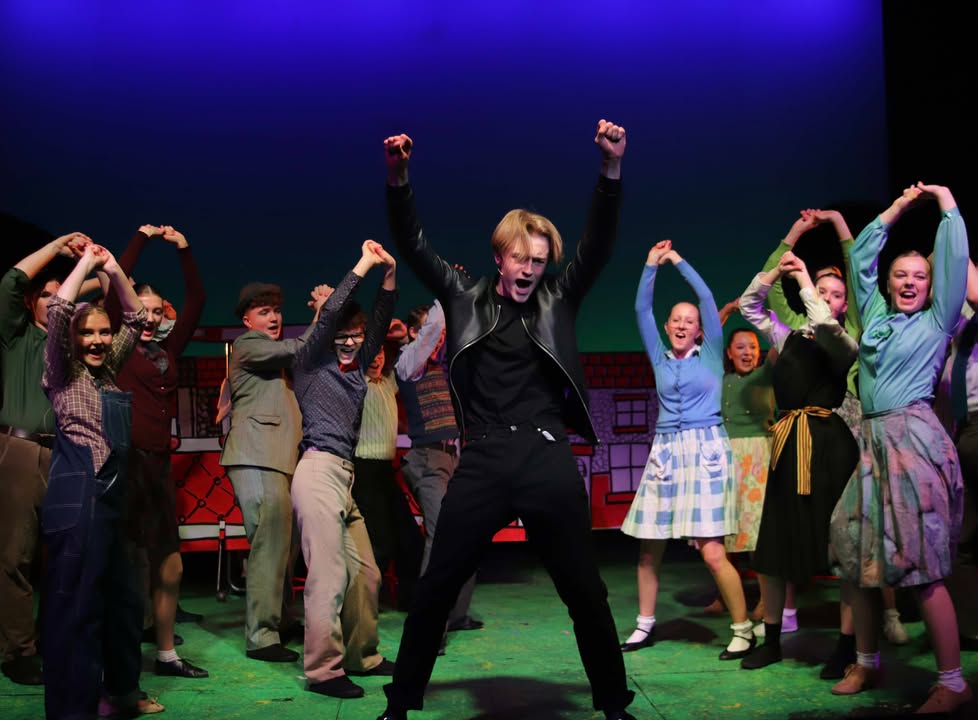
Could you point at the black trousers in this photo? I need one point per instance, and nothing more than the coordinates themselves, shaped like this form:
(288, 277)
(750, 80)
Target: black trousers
(394, 534)
(505, 474)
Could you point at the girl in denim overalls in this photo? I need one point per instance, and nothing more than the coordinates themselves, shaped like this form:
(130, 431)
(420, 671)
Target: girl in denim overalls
(93, 608)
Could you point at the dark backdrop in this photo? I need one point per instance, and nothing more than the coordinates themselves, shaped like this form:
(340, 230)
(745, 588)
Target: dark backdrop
(256, 129)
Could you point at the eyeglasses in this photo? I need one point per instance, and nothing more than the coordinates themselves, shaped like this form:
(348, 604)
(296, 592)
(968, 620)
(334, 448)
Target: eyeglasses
(342, 338)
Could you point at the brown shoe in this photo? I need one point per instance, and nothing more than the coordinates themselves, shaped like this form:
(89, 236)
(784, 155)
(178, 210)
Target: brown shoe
(942, 699)
(856, 679)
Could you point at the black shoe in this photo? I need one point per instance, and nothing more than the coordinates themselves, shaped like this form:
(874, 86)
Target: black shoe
(180, 668)
(766, 654)
(647, 641)
(188, 617)
(738, 654)
(385, 669)
(618, 715)
(24, 670)
(392, 714)
(835, 666)
(337, 687)
(465, 623)
(273, 653)
(149, 636)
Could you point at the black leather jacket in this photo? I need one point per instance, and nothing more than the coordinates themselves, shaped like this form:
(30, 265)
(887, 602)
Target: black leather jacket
(550, 313)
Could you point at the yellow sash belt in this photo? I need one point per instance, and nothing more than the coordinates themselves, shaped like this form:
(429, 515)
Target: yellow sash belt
(781, 431)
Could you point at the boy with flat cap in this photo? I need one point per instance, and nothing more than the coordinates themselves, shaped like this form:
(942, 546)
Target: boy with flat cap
(260, 454)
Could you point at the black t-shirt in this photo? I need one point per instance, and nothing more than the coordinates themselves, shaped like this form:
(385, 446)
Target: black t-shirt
(506, 378)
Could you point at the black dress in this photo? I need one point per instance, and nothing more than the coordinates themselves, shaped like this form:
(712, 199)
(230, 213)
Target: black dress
(793, 540)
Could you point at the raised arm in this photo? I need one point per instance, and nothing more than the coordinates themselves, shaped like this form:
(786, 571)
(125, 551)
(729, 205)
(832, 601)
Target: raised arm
(712, 348)
(729, 309)
(864, 257)
(69, 245)
(133, 313)
(413, 357)
(379, 320)
(776, 299)
(828, 333)
(319, 341)
(127, 261)
(194, 294)
(841, 227)
(402, 218)
(57, 348)
(752, 307)
(647, 326)
(949, 275)
(594, 249)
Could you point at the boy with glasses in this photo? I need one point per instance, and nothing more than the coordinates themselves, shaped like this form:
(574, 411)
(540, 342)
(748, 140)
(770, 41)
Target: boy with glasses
(343, 581)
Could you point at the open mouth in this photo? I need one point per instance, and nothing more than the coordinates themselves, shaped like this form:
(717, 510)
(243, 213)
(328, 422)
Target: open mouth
(95, 352)
(524, 284)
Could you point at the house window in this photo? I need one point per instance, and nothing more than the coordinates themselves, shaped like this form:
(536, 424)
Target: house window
(627, 463)
(632, 413)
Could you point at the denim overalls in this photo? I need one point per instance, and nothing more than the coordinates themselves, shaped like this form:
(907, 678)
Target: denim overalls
(92, 606)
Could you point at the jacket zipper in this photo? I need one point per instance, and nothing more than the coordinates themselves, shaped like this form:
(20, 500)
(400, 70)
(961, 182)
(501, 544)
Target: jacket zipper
(451, 366)
(587, 411)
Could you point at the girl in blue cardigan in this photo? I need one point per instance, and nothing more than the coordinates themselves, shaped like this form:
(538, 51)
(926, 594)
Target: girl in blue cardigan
(688, 489)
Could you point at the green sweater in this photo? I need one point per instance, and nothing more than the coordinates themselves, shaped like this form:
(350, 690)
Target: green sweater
(748, 403)
(779, 304)
(24, 404)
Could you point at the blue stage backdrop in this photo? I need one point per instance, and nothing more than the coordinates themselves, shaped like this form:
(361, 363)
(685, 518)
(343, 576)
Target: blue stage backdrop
(256, 128)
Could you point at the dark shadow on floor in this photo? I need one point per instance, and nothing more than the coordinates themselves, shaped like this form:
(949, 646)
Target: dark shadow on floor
(504, 697)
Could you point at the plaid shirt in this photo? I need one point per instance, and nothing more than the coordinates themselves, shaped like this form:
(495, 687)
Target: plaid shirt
(69, 383)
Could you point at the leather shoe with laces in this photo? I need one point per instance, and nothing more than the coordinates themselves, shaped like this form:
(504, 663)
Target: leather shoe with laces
(856, 679)
(24, 670)
(180, 668)
(338, 687)
(647, 641)
(944, 700)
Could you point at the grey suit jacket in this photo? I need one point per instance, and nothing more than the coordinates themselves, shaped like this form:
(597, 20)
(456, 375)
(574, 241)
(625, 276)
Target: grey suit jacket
(266, 425)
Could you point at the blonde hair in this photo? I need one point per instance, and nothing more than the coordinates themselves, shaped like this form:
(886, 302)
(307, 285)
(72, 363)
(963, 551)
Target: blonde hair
(82, 311)
(512, 235)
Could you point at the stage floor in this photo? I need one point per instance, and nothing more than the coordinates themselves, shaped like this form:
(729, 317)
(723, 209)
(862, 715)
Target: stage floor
(524, 664)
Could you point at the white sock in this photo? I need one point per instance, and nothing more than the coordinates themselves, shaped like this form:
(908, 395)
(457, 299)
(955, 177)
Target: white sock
(743, 634)
(643, 626)
(951, 679)
(868, 660)
(167, 655)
